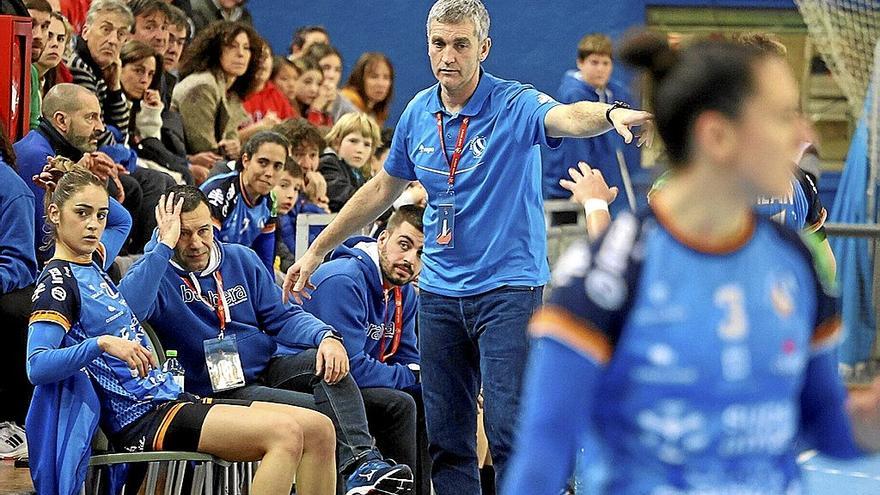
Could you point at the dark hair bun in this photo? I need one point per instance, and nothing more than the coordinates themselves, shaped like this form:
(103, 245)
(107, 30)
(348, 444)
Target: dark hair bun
(649, 51)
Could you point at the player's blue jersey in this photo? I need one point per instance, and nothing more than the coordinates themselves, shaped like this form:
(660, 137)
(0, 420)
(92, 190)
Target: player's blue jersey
(704, 353)
(239, 218)
(85, 302)
(800, 209)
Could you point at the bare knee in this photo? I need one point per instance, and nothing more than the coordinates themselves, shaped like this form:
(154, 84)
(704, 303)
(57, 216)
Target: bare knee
(318, 431)
(285, 434)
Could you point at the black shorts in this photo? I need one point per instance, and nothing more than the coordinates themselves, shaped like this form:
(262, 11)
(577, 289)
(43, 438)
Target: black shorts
(174, 425)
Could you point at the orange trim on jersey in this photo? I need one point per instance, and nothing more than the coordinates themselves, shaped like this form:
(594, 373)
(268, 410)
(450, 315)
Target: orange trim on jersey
(268, 228)
(811, 229)
(826, 332)
(583, 336)
(166, 422)
(217, 223)
(51, 317)
(102, 252)
(703, 245)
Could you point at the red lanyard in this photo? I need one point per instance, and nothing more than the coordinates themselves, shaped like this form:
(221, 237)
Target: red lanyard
(459, 145)
(398, 327)
(220, 307)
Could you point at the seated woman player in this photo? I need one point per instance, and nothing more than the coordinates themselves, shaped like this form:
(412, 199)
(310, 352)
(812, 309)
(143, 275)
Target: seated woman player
(80, 320)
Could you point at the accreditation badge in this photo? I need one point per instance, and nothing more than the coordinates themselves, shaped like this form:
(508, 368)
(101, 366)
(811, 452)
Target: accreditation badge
(224, 363)
(446, 220)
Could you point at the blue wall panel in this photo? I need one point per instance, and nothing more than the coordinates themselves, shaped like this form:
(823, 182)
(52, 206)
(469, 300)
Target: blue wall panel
(533, 41)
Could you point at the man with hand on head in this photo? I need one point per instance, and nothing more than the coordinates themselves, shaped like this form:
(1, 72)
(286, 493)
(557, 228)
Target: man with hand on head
(214, 301)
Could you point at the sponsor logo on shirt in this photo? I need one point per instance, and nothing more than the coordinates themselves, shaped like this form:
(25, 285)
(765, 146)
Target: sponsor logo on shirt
(673, 430)
(478, 146)
(663, 368)
(790, 361)
(766, 427)
(234, 295)
(425, 149)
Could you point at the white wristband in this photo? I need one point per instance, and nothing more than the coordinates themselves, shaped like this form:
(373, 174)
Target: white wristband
(595, 204)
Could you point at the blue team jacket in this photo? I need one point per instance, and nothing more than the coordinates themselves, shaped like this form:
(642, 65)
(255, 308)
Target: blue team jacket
(157, 293)
(349, 296)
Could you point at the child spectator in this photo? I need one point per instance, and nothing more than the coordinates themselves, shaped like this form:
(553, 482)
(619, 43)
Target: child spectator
(371, 85)
(352, 142)
(300, 80)
(289, 203)
(328, 100)
(592, 82)
(267, 105)
(306, 142)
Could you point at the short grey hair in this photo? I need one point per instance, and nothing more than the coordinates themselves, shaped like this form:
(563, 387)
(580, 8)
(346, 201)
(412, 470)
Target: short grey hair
(458, 11)
(111, 6)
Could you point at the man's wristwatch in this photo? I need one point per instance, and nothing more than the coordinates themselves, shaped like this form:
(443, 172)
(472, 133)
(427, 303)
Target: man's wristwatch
(333, 334)
(617, 104)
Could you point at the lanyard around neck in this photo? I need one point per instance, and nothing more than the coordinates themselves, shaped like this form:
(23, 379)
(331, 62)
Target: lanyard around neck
(398, 326)
(220, 308)
(459, 146)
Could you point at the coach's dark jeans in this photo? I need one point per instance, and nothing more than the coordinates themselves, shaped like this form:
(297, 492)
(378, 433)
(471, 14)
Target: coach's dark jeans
(291, 380)
(466, 341)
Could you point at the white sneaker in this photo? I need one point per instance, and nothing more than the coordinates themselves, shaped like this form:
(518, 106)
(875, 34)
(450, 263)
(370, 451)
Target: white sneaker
(13, 444)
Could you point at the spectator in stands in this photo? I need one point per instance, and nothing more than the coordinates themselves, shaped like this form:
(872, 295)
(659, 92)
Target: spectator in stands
(590, 82)
(485, 236)
(364, 292)
(206, 12)
(240, 204)
(305, 90)
(150, 23)
(306, 36)
(141, 407)
(328, 100)
(192, 289)
(70, 127)
(40, 12)
(18, 270)
(370, 85)
(218, 72)
(95, 62)
(267, 104)
(141, 74)
(351, 143)
(178, 36)
(306, 143)
(50, 66)
(289, 202)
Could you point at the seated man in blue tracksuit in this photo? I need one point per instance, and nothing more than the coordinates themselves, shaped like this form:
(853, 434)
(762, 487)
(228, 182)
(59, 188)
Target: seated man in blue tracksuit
(213, 301)
(364, 292)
